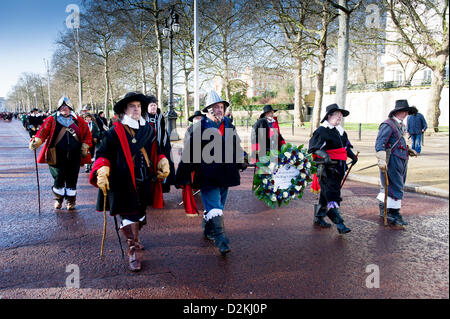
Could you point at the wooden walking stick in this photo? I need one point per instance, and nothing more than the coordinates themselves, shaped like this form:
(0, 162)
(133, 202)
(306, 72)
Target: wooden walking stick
(348, 171)
(37, 178)
(104, 224)
(386, 184)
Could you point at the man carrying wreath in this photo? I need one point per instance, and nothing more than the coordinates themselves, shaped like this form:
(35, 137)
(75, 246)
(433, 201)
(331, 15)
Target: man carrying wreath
(331, 147)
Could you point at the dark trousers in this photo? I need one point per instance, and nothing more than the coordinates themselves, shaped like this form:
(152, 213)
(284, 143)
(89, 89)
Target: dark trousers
(330, 184)
(65, 172)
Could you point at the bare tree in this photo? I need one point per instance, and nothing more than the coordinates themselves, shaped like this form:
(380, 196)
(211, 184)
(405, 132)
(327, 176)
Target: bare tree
(422, 26)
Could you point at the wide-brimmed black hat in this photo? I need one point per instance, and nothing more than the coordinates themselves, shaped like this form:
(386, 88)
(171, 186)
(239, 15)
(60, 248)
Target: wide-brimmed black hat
(333, 108)
(400, 105)
(119, 107)
(196, 113)
(267, 108)
(413, 110)
(151, 99)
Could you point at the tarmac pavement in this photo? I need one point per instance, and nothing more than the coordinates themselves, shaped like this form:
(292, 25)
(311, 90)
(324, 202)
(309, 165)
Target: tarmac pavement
(276, 254)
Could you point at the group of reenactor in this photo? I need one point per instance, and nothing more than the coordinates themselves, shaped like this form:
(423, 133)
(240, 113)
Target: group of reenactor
(133, 166)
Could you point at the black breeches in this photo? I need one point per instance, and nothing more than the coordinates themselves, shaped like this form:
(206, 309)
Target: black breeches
(330, 184)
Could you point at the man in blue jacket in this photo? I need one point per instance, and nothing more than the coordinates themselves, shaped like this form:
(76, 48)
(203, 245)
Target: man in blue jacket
(416, 126)
(393, 153)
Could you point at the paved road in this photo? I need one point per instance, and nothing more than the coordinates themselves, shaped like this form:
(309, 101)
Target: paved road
(275, 253)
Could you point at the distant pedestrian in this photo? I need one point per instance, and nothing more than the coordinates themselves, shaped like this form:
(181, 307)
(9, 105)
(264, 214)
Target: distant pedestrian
(416, 126)
(34, 122)
(95, 132)
(156, 119)
(392, 153)
(266, 134)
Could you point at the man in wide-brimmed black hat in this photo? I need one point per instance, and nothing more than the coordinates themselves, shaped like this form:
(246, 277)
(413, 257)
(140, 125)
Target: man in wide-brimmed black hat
(128, 161)
(392, 153)
(266, 134)
(331, 147)
(34, 122)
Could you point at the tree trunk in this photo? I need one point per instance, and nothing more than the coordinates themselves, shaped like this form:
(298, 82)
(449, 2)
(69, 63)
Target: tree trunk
(141, 56)
(298, 98)
(186, 96)
(343, 49)
(319, 84)
(106, 89)
(437, 85)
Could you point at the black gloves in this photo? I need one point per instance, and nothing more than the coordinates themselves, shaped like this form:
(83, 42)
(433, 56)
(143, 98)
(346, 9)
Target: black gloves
(325, 157)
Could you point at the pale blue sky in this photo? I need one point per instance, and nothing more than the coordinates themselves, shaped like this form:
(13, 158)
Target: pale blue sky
(28, 31)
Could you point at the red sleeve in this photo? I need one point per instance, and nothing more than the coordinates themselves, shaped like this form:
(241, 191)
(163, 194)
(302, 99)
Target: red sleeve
(100, 162)
(87, 135)
(44, 131)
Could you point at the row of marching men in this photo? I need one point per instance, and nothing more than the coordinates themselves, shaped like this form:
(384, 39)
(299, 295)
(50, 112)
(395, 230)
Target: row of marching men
(133, 163)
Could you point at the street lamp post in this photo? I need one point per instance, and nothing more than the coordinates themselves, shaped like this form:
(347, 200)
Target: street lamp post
(171, 26)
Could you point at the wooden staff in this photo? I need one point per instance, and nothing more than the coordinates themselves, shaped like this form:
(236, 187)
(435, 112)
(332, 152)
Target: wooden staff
(386, 184)
(348, 171)
(37, 178)
(104, 224)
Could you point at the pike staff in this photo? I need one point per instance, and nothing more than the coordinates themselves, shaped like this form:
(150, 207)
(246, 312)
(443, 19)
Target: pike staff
(348, 171)
(104, 224)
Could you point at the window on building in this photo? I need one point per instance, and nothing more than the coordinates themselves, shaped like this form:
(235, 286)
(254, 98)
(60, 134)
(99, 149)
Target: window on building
(398, 76)
(427, 76)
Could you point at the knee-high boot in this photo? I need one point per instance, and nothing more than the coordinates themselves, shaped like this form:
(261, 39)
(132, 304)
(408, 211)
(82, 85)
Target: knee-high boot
(319, 213)
(133, 258)
(208, 228)
(221, 241)
(335, 216)
(59, 199)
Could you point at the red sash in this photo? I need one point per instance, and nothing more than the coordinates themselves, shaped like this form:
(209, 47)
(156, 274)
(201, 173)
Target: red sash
(335, 154)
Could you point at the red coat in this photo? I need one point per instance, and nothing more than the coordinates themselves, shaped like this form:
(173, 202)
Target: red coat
(46, 134)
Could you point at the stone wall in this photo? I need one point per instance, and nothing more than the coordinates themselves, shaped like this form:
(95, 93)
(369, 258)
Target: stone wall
(374, 107)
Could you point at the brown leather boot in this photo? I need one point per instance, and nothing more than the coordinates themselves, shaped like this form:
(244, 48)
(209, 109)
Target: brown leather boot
(58, 200)
(70, 202)
(133, 260)
(135, 229)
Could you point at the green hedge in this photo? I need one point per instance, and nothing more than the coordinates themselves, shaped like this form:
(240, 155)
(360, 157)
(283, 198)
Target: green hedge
(259, 107)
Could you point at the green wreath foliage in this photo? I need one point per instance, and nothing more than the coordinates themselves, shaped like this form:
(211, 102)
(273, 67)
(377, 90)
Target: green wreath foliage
(263, 182)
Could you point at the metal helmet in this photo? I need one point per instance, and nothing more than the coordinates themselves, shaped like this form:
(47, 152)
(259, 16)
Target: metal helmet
(213, 98)
(65, 100)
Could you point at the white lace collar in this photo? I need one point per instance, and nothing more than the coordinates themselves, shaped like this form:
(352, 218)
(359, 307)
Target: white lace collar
(126, 120)
(328, 125)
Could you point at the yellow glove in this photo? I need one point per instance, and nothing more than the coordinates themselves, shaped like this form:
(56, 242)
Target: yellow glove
(35, 143)
(102, 179)
(163, 168)
(381, 156)
(412, 152)
(84, 149)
